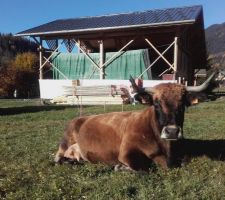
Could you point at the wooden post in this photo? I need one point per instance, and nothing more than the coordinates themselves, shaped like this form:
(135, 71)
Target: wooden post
(57, 44)
(40, 60)
(104, 106)
(175, 61)
(81, 107)
(195, 82)
(179, 80)
(79, 44)
(101, 59)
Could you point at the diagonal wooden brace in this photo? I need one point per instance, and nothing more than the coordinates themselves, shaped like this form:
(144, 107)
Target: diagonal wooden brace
(56, 68)
(92, 61)
(160, 55)
(47, 60)
(117, 53)
(156, 60)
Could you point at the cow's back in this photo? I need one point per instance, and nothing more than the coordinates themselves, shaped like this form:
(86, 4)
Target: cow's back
(100, 136)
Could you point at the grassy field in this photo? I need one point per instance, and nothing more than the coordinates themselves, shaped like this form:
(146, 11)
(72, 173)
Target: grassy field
(29, 135)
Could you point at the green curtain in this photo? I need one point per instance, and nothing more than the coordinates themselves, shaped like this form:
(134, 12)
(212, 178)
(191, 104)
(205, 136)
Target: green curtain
(78, 66)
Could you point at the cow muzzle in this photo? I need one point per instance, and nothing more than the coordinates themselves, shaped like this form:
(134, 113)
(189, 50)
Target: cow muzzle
(171, 132)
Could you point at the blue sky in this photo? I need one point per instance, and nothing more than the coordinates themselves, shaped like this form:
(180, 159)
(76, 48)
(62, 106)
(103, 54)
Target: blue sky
(19, 15)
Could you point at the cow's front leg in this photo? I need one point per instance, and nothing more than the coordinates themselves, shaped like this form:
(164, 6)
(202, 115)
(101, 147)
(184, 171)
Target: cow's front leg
(59, 157)
(122, 167)
(73, 153)
(161, 160)
(135, 160)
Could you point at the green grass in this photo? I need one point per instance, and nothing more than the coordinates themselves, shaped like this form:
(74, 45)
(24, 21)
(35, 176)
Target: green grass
(29, 135)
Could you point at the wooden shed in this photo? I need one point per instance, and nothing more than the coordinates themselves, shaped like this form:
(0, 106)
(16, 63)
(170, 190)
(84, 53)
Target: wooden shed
(174, 39)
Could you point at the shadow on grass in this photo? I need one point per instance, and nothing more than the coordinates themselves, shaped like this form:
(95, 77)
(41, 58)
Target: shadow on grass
(30, 109)
(190, 148)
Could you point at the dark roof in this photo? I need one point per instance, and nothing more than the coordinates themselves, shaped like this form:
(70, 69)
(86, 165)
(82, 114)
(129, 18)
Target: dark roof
(117, 21)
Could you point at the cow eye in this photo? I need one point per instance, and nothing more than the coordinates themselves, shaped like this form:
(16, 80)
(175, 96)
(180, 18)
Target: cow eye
(157, 105)
(159, 113)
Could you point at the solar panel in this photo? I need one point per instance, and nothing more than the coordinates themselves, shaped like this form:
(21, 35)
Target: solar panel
(149, 17)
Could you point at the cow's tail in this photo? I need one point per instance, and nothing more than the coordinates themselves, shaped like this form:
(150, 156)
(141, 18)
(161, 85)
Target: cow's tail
(69, 138)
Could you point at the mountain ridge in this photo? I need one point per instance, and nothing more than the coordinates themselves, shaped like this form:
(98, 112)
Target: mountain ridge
(215, 44)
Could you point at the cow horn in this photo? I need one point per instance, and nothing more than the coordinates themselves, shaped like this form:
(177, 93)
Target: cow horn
(134, 85)
(201, 87)
(149, 90)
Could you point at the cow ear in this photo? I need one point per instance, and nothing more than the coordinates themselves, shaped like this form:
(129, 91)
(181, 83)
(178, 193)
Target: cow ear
(144, 98)
(142, 95)
(192, 99)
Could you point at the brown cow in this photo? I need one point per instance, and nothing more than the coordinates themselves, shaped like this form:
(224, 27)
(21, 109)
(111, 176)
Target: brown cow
(131, 140)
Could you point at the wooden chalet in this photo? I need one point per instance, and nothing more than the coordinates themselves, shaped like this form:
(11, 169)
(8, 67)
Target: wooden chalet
(174, 39)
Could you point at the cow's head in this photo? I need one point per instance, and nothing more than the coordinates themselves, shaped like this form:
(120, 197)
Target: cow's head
(169, 101)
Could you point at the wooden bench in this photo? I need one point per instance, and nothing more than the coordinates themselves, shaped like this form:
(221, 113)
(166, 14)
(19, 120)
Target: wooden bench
(94, 95)
(92, 90)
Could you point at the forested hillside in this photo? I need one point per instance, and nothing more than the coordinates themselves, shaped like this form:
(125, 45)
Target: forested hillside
(10, 46)
(18, 66)
(215, 41)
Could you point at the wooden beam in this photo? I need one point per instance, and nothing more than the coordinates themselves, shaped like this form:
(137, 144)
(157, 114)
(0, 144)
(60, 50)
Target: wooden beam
(88, 45)
(114, 33)
(102, 65)
(41, 66)
(57, 41)
(55, 68)
(40, 60)
(117, 53)
(79, 44)
(156, 50)
(164, 72)
(175, 61)
(91, 60)
(156, 60)
(36, 40)
(101, 59)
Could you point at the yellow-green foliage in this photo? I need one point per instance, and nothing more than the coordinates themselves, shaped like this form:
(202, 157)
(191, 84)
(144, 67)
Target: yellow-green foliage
(26, 61)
